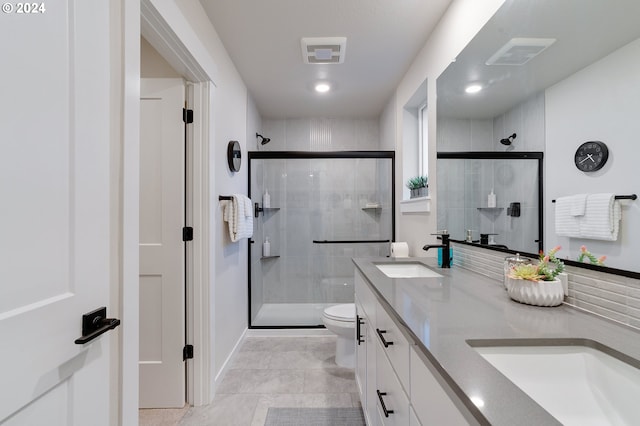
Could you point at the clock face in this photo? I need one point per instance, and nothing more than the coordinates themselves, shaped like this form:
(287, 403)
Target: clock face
(591, 156)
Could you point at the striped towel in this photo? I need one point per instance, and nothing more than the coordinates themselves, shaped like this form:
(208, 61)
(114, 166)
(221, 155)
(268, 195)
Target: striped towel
(567, 221)
(239, 215)
(601, 220)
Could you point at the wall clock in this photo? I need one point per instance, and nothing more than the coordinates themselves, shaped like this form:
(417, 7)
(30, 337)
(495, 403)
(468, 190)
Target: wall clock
(233, 156)
(591, 156)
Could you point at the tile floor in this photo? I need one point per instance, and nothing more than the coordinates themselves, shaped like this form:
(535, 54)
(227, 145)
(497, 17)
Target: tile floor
(275, 372)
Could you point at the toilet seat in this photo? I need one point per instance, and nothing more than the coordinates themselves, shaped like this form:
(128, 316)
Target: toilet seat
(343, 313)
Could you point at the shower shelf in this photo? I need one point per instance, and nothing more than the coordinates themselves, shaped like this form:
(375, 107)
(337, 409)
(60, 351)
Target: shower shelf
(490, 208)
(257, 209)
(268, 257)
(372, 208)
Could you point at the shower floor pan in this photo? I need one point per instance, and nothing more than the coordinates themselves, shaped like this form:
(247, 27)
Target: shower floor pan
(290, 314)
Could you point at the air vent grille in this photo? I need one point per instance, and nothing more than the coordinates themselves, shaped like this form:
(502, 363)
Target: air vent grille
(323, 50)
(519, 51)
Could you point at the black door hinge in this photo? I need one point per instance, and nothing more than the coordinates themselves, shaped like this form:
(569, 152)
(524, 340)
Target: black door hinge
(187, 115)
(187, 233)
(187, 352)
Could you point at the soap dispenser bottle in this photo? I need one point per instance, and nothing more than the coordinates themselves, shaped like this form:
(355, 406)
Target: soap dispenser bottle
(266, 199)
(491, 199)
(266, 247)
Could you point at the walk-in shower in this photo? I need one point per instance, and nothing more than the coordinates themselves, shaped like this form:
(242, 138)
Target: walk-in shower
(325, 208)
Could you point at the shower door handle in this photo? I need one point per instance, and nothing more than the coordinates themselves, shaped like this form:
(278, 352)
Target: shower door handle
(349, 241)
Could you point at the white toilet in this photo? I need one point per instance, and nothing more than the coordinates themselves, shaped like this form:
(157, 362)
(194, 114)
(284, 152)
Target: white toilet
(341, 320)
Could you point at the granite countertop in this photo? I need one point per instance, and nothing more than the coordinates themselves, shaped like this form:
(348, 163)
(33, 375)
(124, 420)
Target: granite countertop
(442, 314)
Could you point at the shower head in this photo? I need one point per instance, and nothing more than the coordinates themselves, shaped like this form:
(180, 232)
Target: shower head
(263, 140)
(509, 140)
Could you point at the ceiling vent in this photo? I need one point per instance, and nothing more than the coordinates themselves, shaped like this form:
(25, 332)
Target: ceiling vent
(323, 50)
(519, 51)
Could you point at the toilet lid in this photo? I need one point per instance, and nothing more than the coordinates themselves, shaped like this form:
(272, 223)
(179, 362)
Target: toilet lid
(345, 312)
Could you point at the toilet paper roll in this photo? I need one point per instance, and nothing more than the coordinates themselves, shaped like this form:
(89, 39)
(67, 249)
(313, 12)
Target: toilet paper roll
(400, 249)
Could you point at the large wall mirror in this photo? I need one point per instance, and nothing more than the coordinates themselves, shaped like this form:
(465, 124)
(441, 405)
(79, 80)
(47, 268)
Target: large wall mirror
(552, 75)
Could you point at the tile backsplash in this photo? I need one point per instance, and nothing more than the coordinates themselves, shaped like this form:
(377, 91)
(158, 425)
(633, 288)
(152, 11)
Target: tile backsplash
(612, 296)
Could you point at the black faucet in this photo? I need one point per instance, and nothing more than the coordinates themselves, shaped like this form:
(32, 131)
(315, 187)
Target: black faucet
(446, 259)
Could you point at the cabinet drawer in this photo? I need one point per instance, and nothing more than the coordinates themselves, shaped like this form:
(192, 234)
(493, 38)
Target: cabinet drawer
(397, 345)
(391, 400)
(365, 296)
(430, 400)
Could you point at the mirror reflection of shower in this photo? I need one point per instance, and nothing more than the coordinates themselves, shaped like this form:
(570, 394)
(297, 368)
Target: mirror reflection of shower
(262, 139)
(325, 208)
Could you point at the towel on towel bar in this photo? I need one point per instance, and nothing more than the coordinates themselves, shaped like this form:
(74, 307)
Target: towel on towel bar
(601, 220)
(238, 214)
(567, 214)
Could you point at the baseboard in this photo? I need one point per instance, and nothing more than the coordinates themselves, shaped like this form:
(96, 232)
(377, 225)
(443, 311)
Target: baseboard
(227, 362)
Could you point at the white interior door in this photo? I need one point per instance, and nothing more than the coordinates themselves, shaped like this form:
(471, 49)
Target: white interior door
(54, 216)
(162, 255)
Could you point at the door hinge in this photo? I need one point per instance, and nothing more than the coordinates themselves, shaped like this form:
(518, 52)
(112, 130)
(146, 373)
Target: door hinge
(187, 115)
(187, 352)
(187, 233)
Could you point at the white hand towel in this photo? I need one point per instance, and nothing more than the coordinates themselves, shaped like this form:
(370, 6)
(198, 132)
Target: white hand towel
(578, 204)
(248, 207)
(244, 217)
(231, 217)
(567, 225)
(601, 220)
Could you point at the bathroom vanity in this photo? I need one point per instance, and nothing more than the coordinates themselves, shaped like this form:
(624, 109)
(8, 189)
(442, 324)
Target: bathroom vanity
(424, 348)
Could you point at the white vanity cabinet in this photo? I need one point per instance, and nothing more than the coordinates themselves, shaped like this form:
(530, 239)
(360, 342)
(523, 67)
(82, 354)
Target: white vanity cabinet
(396, 386)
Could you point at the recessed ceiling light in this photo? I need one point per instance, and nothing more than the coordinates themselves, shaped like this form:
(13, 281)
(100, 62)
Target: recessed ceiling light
(322, 87)
(473, 88)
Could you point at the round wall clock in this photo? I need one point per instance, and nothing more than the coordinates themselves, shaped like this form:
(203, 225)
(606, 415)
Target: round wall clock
(591, 156)
(234, 156)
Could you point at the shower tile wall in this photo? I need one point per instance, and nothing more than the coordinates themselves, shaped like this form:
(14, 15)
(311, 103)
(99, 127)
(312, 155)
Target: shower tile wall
(320, 200)
(512, 181)
(321, 134)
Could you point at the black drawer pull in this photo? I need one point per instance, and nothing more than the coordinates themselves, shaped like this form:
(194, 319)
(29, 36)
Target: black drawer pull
(380, 334)
(359, 322)
(384, 408)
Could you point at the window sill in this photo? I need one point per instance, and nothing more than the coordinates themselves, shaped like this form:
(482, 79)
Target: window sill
(416, 205)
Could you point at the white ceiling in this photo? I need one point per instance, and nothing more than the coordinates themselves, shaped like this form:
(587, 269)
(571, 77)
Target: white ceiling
(585, 31)
(263, 40)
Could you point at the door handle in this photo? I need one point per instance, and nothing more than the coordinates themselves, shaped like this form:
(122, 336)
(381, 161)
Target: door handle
(94, 324)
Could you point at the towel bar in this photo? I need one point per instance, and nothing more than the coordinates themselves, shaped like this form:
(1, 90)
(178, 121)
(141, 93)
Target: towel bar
(619, 197)
(228, 197)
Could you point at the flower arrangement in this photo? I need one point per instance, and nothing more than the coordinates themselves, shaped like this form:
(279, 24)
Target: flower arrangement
(547, 268)
(417, 182)
(584, 253)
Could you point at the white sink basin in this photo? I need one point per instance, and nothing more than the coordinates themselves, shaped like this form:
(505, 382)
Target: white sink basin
(406, 270)
(578, 385)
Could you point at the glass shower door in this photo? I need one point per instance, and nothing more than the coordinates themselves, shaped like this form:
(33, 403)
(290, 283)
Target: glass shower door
(323, 212)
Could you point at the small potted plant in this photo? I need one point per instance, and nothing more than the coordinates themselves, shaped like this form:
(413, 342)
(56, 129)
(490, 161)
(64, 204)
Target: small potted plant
(585, 255)
(537, 284)
(418, 186)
